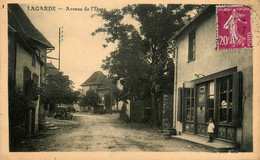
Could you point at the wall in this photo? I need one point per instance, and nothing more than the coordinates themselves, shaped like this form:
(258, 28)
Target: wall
(85, 89)
(120, 104)
(137, 111)
(25, 59)
(209, 60)
(128, 108)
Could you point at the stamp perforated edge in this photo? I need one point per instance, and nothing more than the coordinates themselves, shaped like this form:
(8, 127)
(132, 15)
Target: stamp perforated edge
(217, 35)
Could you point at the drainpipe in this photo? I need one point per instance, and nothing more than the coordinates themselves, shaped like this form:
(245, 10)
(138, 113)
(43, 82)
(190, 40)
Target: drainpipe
(175, 89)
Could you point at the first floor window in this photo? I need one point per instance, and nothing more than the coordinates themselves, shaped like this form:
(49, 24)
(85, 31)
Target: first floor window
(192, 46)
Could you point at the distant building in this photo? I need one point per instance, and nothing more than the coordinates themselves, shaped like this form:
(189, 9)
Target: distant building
(99, 83)
(50, 69)
(27, 49)
(211, 83)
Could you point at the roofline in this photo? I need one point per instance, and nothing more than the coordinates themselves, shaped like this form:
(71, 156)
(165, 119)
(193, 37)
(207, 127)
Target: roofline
(51, 46)
(105, 88)
(89, 84)
(193, 20)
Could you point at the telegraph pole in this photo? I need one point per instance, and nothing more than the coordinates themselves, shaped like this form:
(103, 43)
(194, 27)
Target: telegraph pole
(60, 39)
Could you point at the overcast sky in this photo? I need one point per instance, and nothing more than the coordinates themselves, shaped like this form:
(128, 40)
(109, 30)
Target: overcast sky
(81, 53)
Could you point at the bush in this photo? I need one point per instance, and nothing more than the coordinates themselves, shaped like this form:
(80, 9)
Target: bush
(99, 109)
(17, 112)
(92, 99)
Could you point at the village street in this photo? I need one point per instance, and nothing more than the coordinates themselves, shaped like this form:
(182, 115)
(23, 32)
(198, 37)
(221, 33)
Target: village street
(87, 132)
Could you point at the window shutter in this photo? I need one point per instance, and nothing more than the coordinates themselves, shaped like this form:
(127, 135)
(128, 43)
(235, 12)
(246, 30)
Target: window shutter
(184, 94)
(237, 98)
(180, 107)
(190, 48)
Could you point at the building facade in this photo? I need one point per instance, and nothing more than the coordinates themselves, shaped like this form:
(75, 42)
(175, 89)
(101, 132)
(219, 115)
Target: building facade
(27, 49)
(101, 84)
(211, 83)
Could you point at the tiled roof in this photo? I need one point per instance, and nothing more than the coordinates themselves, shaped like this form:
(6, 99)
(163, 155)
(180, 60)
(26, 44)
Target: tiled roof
(51, 69)
(105, 84)
(95, 78)
(19, 22)
(98, 78)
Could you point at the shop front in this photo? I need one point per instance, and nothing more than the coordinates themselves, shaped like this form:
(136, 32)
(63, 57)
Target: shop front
(217, 96)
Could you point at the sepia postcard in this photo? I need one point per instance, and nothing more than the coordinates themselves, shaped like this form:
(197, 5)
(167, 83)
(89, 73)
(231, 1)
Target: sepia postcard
(129, 79)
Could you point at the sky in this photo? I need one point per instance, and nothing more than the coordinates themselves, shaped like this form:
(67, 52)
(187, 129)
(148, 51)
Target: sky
(81, 53)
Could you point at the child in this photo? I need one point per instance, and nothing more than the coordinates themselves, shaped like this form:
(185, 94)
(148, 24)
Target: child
(211, 130)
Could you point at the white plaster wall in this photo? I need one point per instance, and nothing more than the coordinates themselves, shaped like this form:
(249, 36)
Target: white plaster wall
(120, 104)
(128, 108)
(85, 89)
(25, 59)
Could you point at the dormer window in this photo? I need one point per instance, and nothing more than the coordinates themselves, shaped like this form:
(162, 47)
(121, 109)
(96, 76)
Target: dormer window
(192, 46)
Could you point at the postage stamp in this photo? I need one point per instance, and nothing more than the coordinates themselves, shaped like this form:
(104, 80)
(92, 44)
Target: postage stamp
(234, 27)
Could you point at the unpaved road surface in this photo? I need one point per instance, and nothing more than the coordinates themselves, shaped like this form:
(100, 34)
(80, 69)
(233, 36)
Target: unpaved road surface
(89, 133)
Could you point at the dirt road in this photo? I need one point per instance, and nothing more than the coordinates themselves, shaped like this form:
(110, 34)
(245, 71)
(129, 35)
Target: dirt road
(106, 133)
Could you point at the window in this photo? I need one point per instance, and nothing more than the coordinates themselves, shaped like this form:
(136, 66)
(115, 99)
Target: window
(225, 99)
(188, 112)
(189, 104)
(192, 46)
(210, 100)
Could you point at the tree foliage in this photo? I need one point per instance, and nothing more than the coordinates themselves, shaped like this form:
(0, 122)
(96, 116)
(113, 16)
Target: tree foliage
(141, 56)
(91, 99)
(58, 89)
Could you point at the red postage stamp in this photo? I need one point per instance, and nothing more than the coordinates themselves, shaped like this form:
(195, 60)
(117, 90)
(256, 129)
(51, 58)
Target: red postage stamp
(234, 27)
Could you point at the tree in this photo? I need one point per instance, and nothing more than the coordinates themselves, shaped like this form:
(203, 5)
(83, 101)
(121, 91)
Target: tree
(129, 59)
(91, 99)
(117, 94)
(141, 56)
(108, 101)
(58, 89)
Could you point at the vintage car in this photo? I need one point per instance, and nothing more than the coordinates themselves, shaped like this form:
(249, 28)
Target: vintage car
(62, 113)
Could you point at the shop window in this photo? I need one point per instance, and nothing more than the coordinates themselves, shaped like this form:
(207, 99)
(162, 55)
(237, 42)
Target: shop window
(189, 104)
(225, 99)
(192, 46)
(210, 99)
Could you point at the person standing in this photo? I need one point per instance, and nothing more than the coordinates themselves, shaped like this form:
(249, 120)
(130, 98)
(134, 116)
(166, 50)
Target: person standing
(211, 130)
